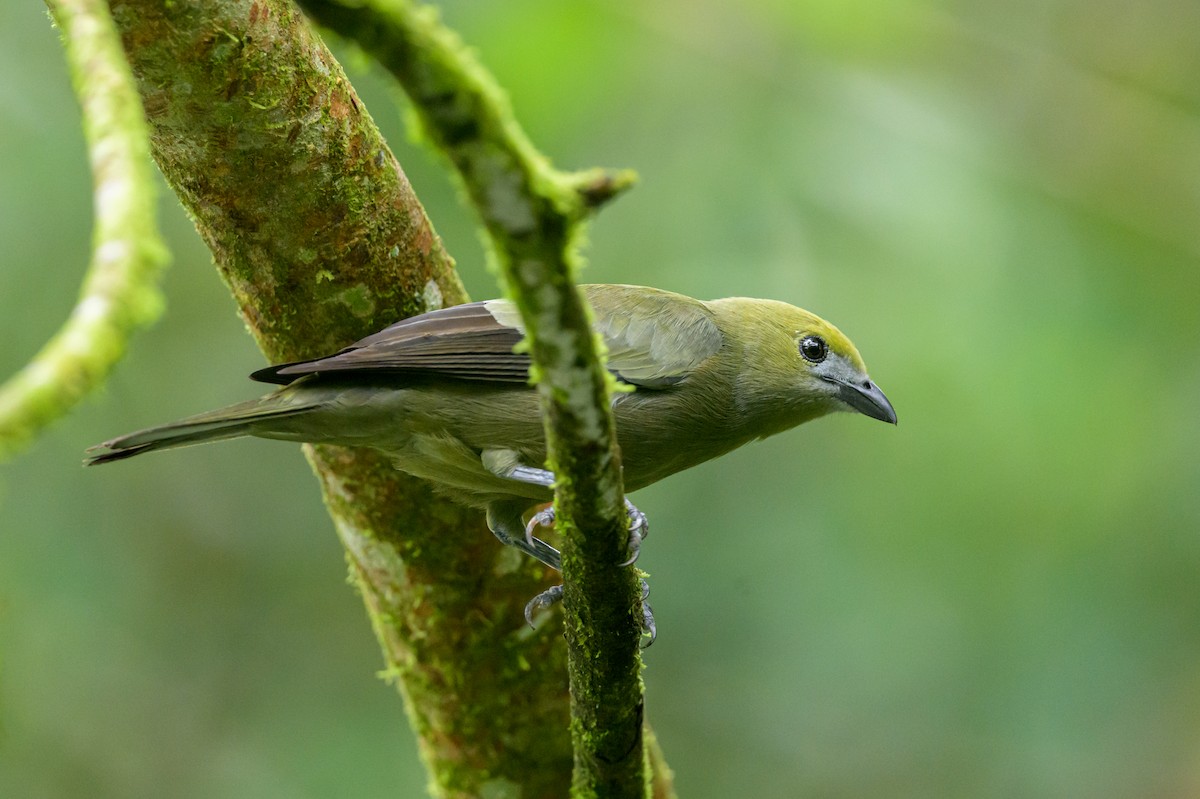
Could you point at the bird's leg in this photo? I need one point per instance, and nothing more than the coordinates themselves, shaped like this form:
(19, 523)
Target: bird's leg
(554, 594)
(547, 598)
(504, 520)
(639, 528)
(504, 464)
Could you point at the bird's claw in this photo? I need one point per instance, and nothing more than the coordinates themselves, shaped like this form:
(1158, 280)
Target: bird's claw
(543, 600)
(639, 528)
(649, 630)
(554, 594)
(543, 518)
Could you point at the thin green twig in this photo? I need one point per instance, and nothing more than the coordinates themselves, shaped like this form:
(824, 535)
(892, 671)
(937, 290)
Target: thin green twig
(535, 217)
(120, 291)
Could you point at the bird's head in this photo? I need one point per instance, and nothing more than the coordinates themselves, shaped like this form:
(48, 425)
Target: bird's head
(796, 365)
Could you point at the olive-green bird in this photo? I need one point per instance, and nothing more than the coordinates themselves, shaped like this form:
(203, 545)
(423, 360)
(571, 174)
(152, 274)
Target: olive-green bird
(445, 396)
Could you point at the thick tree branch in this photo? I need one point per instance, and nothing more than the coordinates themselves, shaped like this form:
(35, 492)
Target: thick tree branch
(120, 291)
(535, 216)
(321, 240)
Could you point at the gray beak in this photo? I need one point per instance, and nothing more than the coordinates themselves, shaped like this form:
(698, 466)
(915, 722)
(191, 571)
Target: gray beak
(867, 399)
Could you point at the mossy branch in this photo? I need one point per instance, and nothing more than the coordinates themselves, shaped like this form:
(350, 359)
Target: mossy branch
(120, 291)
(321, 240)
(535, 216)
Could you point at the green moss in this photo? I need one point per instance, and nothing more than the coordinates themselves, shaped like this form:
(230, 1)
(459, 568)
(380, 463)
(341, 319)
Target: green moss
(359, 300)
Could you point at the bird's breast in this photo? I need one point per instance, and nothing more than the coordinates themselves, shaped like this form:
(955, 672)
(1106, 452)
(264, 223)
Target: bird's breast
(667, 431)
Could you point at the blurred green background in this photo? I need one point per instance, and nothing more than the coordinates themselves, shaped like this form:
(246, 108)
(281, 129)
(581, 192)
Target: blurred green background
(999, 202)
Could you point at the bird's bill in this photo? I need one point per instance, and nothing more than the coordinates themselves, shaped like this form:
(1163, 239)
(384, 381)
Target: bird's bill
(867, 399)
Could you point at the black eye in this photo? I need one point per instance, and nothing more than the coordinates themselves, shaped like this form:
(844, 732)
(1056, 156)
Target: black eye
(814, 348)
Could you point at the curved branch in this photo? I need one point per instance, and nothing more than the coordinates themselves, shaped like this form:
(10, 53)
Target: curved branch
(120, 292)
(535, 216)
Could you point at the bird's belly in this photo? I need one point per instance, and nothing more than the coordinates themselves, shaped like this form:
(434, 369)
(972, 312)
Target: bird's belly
(438, 431)
(457, 470)
(432, 431)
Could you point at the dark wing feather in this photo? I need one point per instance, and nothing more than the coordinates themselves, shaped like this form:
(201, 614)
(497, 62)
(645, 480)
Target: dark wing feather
(465, 341)
(655, 339)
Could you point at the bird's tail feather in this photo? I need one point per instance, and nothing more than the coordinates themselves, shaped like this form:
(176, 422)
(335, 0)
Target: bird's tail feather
(230, 422)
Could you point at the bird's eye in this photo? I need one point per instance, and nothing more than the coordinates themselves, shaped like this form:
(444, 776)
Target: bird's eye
(814, 348)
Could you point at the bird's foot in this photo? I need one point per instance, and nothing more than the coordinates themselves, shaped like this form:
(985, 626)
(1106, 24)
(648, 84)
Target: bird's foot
(554, 594)
(543, 518)
(547, 598)
(649, 630)
(639, 528)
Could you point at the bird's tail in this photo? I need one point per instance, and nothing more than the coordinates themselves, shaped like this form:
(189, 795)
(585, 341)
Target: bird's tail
(230, 422)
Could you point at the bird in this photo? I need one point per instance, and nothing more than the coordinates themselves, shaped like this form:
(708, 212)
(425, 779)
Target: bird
(446, 396)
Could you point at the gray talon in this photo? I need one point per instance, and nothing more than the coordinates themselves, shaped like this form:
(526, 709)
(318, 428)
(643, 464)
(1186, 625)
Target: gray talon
(639, 528)
(543, 518)
(553, 595)
(649, 630)
(543, 600)
(637, 520)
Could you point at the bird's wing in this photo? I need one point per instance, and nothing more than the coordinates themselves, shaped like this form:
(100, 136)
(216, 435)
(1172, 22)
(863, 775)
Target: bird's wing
(654, 339)
(465, 341)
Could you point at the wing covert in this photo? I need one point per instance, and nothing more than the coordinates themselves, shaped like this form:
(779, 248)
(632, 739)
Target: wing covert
(655, 338)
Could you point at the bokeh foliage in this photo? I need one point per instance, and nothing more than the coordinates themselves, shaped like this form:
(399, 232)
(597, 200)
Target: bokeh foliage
(998, 598)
